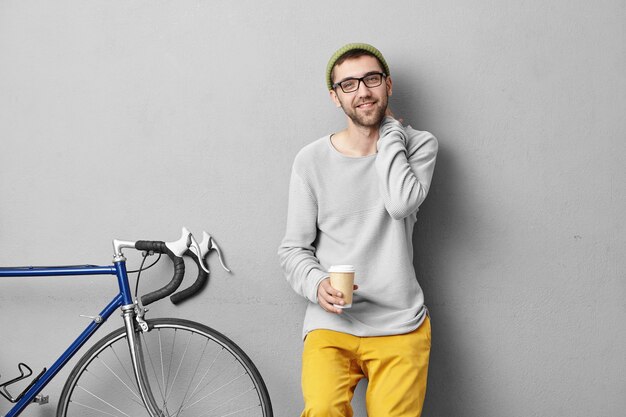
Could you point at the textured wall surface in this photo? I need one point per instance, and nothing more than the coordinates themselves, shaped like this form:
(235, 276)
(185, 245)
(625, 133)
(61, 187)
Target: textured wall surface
(129, 119)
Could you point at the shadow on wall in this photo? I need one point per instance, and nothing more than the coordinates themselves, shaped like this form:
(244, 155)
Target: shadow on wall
(439, 221)
(442, 235)
(442, 231)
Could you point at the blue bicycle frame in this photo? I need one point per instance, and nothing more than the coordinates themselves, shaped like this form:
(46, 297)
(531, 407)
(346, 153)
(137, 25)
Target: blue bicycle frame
(123, 298)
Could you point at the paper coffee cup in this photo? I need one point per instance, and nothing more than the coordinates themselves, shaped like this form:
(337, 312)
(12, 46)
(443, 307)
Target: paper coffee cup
(342, 279)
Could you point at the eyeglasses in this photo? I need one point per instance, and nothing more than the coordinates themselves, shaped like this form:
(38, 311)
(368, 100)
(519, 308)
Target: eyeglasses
(350, 85)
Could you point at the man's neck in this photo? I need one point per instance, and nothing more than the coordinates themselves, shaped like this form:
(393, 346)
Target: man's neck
(356, 140)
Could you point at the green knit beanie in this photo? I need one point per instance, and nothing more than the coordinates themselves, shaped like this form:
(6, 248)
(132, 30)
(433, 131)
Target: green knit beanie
(351, 47)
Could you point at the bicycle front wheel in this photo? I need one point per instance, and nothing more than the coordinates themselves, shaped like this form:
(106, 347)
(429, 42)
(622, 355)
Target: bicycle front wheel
(192, 371)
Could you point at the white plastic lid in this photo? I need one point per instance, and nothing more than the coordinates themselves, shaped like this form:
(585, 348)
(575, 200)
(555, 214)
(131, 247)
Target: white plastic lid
(341, 268)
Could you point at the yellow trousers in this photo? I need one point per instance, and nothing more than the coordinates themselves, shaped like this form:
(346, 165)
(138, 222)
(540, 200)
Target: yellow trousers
(396, 368)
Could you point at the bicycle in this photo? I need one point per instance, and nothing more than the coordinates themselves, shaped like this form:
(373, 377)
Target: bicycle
(148, 367)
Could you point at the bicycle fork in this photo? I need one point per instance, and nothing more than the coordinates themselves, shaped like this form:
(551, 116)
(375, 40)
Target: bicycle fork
(139, 366)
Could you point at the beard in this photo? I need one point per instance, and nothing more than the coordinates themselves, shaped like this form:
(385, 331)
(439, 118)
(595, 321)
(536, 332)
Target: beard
(371, 117)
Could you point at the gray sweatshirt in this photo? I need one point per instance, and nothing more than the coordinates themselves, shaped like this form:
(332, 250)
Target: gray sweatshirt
(360, 211)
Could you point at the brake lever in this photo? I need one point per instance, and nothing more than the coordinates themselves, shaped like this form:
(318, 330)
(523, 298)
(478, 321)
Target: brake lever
(207, 245)
(195, 248)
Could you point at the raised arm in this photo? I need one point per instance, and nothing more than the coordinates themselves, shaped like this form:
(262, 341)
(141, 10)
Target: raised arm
(405, 167)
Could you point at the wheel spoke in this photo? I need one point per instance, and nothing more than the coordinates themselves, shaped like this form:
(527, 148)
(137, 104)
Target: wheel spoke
(95, 409)
(184, 401)
(180, 363)
(241, 411)
(131, 390)
(196, 391)
(227, 402)
(102, 400)
(119, 361)
(217, 389)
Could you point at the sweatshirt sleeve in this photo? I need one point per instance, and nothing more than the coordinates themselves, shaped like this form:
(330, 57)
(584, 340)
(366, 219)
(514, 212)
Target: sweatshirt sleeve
(405, 167)
(297, 252)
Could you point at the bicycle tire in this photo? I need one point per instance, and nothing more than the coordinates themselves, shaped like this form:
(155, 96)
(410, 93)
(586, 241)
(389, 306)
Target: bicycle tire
(221, 380)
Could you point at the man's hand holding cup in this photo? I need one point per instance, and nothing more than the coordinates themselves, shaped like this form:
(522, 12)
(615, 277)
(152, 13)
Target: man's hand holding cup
(335, 293)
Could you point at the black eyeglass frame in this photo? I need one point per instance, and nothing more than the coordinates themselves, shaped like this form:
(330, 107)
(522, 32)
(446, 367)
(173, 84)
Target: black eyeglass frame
(359, 80)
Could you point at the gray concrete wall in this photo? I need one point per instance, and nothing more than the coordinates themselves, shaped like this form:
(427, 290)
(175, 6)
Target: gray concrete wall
(129, 119)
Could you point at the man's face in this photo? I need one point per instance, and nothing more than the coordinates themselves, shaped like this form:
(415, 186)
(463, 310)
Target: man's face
(366, 106)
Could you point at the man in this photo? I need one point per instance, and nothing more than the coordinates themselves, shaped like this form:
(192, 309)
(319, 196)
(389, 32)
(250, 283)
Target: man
(353, 199)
